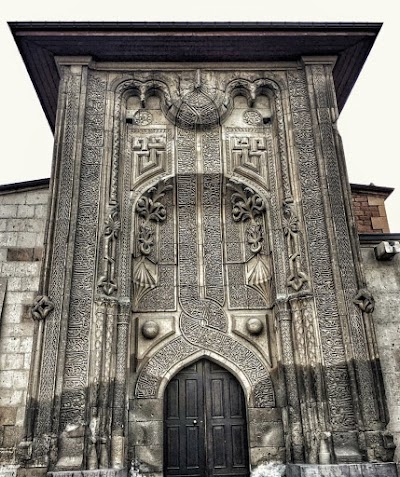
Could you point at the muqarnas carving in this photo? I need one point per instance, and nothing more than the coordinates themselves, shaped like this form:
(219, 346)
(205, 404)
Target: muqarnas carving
(150, 211)
(249, 207)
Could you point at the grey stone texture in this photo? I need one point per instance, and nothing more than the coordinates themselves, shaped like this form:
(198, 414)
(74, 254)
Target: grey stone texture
(189, 204)
(342, 470)
(383, 278)
(22, 225)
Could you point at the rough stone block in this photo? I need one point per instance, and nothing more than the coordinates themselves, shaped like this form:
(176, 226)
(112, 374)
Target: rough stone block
(10, 344)
(20, 379)
(39, 197)
(8, 416)
(14, 284)
(145, 409)
(32, 472)
(265, 434)
(15, 225)
(8, 239)
(380, 223)
(20, 254)
(150, 458)
(9, 436)
(262, 455)
(373, 200)
(148, 433)
(27, 239)
(9, 210)
(8, 471)
(25, 211)
(26, 344)
(273, 414)
(11, 313)
(6, 379)
(40, 211)
(11, 361)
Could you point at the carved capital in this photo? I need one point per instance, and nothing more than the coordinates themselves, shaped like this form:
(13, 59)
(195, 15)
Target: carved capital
(41, 307)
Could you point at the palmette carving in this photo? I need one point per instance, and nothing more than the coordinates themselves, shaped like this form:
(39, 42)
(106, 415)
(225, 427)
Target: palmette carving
(150, 210)
(249, 207)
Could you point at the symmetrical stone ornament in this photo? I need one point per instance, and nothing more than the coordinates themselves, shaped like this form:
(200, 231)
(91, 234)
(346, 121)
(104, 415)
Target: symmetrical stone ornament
(42, 307)
(365, 300)
(207, 222)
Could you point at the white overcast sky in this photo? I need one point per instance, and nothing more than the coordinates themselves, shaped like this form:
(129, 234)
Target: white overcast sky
(369, 123)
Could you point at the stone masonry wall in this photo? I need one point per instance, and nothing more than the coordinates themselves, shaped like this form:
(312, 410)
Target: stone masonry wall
(383, 280)
(369, 208)
(22, 223)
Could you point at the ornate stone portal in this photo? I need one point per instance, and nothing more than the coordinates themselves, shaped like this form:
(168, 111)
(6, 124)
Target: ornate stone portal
(200, 212)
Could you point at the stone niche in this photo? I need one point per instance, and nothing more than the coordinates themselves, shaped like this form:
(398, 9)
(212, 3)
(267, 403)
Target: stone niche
(199, 213)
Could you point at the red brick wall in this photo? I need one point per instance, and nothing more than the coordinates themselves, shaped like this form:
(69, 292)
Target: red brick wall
(369, 209)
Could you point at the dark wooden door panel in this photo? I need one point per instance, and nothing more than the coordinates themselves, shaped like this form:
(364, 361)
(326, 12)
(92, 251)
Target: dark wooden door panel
(205, 424)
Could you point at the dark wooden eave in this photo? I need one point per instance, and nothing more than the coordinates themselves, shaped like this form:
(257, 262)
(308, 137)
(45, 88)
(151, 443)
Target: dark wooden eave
(39, 42)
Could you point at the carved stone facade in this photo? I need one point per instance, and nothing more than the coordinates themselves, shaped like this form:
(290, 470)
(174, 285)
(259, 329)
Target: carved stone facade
(201, 212)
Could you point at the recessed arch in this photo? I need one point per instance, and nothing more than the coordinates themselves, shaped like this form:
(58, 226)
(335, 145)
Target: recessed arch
(205, 423)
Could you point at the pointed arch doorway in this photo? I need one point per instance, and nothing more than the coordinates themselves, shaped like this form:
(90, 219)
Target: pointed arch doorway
(205, 426)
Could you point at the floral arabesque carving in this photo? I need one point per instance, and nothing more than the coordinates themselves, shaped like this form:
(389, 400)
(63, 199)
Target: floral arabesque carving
(249, 206)
(107, 281)
(150, 210)
(297, 277)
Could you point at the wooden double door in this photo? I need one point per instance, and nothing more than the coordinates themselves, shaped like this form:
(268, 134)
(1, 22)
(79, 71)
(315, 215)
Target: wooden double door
(205, 428)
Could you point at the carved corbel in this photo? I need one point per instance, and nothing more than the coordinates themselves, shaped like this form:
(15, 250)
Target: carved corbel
(41, 308)
(364, 300)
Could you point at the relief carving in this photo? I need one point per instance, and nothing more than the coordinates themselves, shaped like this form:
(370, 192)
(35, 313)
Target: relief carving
(364, 300)
(150, 210)
(41, 307)
(107, 281)
(203, 321)
(248, 151)
(249, 207)
(149, 153)
(297, 277)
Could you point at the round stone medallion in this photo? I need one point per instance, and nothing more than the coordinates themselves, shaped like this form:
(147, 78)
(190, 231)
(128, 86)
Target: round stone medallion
(252, 117)
(150, 329)
(254, 326)
(142, 117)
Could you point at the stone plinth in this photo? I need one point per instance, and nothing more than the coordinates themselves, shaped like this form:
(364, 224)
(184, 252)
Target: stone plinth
(342, 470)
(89, 473)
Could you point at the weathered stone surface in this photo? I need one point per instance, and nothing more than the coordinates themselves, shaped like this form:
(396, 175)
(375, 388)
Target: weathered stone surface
(197, 214)
(341, 470)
